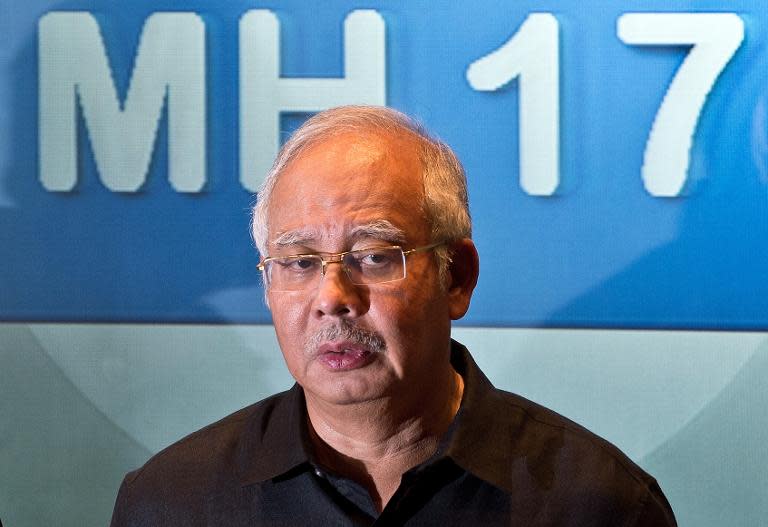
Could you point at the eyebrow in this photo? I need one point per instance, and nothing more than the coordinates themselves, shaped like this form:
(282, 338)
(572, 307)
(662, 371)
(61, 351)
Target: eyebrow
(377, 229)
(295, 237)
(380, 230)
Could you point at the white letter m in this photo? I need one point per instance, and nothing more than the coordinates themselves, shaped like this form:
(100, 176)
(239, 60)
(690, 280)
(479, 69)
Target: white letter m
(73, 63)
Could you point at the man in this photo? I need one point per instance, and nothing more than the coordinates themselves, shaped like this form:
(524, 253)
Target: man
(365, 234)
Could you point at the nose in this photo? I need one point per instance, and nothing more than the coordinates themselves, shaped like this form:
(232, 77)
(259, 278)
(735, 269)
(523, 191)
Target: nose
(337, 296)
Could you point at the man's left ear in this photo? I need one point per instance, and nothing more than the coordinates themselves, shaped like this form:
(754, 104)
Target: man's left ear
(462, 276)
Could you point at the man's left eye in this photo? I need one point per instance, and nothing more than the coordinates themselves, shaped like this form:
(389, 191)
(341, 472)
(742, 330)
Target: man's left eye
(374, 258)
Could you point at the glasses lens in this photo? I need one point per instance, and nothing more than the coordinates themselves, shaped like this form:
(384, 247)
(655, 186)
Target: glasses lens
(293, 273)
(375, 265)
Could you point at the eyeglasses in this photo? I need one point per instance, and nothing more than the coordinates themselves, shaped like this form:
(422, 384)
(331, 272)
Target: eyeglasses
(375, 265)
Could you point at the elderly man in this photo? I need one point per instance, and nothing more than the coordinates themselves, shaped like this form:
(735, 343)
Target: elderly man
(364, 229)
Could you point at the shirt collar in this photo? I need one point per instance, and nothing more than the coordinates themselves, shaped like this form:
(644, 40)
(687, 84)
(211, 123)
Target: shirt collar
(276, 442)
(482, 437)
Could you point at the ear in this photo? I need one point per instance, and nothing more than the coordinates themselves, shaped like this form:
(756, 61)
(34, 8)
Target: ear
(462, 276)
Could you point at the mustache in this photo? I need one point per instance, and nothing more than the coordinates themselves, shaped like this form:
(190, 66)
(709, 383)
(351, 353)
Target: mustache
(345, 330)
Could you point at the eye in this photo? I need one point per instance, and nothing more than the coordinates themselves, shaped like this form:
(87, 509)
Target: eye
(304, 263)
(374, 258)
(299, 264)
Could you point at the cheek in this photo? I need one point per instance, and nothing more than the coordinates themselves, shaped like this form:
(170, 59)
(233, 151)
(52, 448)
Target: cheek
(289, 317)
(408, 316)
(286, 307)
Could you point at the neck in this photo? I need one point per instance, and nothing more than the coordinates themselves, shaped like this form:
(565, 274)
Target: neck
(375, 442)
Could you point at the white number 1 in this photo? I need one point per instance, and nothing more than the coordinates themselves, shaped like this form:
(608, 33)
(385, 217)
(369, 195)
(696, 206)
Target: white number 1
(532, 54)
(715, 38)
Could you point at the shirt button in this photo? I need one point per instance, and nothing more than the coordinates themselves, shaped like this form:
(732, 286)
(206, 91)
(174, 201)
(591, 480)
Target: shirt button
(319, 473)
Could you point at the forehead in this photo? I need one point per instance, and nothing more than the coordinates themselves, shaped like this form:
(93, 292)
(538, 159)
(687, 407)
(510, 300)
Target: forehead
(348, 180)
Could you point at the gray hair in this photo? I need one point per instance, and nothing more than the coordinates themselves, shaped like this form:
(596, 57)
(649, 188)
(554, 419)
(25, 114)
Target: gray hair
(446, 204)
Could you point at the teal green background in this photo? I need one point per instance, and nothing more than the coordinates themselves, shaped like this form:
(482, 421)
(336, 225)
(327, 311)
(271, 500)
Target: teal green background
(80, 405)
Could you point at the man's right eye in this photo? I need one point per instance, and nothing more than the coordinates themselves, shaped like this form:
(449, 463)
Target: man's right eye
(298, 264)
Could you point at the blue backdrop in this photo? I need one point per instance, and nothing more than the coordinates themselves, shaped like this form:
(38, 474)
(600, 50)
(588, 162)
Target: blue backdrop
(690, 261)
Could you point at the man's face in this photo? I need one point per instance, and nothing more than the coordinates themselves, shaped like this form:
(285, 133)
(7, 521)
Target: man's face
(333, 198)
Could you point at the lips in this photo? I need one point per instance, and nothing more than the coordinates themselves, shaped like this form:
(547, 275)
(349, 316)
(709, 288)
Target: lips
(344, 356)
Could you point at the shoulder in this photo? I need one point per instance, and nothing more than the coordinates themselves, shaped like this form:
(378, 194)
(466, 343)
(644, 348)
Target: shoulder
(520, 429)
(579, 472)
(562, 469)
(210, 447)
(184, 475)
(541, 428)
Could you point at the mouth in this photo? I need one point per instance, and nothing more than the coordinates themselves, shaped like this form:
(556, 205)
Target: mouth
(344, 355)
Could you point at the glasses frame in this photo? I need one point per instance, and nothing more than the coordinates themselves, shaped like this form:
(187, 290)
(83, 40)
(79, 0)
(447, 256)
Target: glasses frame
(338, 258)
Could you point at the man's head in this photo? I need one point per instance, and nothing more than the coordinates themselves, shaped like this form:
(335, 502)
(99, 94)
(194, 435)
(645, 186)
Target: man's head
(445, 203)
(362, 178)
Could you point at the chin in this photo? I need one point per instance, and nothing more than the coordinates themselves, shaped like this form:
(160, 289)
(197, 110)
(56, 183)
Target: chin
(349, 392)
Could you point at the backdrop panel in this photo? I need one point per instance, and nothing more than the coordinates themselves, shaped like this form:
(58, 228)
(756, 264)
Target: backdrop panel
(616, 154)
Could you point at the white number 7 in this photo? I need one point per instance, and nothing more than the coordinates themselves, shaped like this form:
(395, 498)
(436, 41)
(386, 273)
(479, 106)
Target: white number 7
(715, 38)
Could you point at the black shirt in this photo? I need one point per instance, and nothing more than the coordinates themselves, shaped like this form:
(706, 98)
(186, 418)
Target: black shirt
(504, 461)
